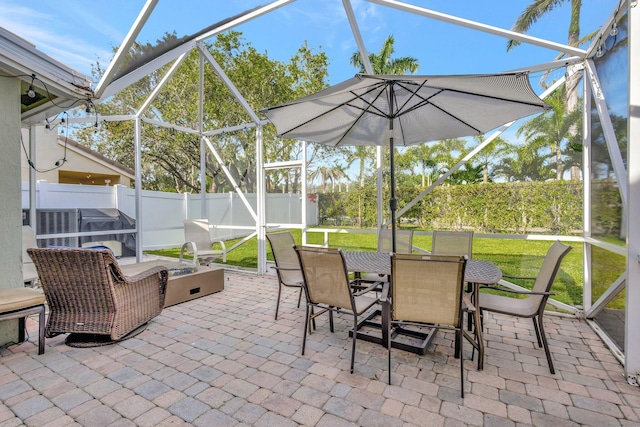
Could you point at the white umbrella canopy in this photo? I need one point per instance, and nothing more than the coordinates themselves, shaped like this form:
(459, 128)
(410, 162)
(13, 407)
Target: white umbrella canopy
(405, 110)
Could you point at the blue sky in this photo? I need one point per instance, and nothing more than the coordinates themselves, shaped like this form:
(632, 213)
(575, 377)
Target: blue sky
(79, 33)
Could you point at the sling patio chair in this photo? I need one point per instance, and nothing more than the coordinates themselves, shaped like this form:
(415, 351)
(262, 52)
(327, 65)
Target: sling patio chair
(327, 286)
(427, 291)
(90, 297)
(199, 243)
(533, 304)
(287, 264)
(452, 243)
(404, 245)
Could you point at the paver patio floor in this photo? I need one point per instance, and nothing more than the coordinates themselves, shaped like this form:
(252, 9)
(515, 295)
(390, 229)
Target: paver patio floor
(222, 360)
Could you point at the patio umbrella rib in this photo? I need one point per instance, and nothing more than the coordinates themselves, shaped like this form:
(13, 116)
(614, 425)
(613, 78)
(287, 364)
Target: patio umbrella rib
(348, 103)
(364, 111)
(435, 108)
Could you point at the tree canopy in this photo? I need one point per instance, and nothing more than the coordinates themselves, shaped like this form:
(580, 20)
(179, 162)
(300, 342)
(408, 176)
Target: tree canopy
(171, 159)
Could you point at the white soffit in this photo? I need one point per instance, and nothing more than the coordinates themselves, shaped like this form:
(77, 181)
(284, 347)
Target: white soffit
(66, 85)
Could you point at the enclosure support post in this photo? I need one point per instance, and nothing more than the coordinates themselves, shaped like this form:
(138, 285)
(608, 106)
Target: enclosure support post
(586, 193)
(203, 154)
(303, 192)
(261, 220)
(379, 185)
(632, 323)
(32, 180)
(138, 179)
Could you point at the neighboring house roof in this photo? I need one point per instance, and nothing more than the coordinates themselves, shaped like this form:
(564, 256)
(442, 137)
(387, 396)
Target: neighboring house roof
(97, 157)
(57, 87)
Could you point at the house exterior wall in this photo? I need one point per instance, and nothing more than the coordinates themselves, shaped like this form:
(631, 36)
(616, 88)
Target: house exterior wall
(79, 168)
(10, 208)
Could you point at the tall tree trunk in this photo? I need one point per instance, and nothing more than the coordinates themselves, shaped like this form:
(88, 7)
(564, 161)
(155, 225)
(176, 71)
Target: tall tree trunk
(571, 85)
(558, 162)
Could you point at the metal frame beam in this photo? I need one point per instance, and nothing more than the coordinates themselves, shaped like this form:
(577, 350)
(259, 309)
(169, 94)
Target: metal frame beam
(632, 323)
(109, 85)
(130, 38)
(609, 133)
(569, 50)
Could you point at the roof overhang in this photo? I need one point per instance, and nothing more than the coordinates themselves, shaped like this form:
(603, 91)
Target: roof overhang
(57, 86)
(96, 157)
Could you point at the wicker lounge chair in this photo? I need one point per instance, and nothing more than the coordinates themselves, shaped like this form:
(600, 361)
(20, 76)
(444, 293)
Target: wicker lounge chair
(87, 293)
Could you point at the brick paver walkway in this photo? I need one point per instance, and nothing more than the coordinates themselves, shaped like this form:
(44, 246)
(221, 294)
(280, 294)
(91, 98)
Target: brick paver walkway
(222, 360)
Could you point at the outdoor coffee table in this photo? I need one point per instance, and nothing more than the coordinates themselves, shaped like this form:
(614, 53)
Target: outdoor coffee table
(477, 273)
(187, 280)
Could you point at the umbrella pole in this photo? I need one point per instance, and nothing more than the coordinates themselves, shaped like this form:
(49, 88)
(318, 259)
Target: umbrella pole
(393, 204)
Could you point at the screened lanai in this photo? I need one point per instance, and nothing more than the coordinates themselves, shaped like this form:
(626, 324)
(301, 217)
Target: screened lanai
(604, 68)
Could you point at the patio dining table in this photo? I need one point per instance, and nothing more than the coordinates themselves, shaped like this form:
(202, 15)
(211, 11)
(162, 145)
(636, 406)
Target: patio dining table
(477, 272)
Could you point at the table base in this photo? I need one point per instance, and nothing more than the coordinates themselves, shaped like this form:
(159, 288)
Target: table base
(370, 329)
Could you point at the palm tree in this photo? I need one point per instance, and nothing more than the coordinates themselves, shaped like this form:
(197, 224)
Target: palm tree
(534, 11)
(467, 174)
(382, 63)
(327, 174)
(524, 164)
(487, 155)
(552, 128)
(360, 153)
(434, 158)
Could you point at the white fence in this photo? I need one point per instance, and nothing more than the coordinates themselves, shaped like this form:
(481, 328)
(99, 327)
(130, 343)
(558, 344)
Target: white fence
(164, 213)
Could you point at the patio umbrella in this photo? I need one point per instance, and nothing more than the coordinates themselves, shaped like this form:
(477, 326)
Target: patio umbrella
(400, 110)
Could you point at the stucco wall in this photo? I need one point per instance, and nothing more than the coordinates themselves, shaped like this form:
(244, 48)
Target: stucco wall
(10, 205)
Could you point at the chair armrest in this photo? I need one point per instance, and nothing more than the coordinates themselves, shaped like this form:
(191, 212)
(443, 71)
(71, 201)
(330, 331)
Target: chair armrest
(467, 304)
(144, 274)
(384, 295)
(194, 249)
(223, 251)
(145, 292)
(514, 291)
(275, 267)
(518, 277)
(372, 287)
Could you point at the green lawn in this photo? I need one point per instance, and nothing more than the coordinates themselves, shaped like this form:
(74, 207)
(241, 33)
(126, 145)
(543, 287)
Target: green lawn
(514, 257)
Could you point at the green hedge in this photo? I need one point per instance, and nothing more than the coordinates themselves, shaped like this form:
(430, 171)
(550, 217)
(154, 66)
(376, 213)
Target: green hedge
(553, 207)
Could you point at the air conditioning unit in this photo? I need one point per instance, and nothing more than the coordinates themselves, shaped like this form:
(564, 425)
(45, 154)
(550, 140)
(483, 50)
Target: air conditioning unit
(57, 221)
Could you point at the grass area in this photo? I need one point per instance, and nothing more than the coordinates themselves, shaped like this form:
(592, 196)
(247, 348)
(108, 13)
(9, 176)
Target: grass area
(514, 257)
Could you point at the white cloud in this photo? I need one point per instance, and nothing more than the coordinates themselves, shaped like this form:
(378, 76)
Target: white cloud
(47, 33)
